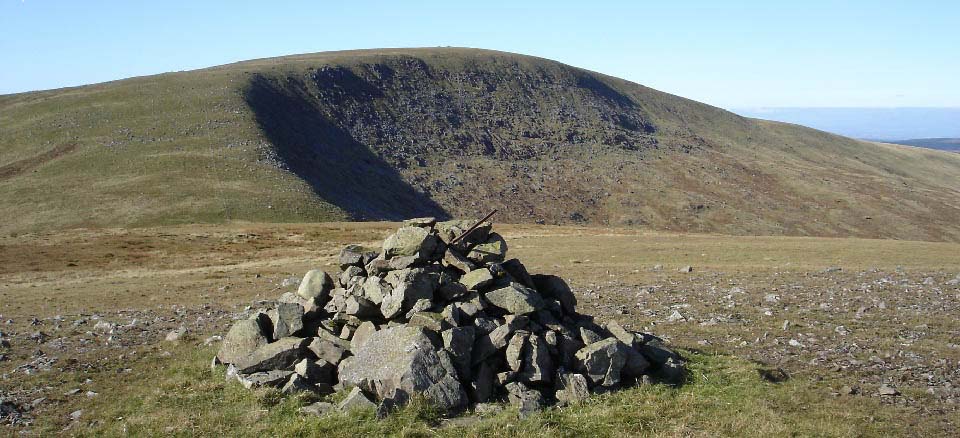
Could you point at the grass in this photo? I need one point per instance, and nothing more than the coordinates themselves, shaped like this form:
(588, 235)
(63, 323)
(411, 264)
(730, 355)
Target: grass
(192, 147)
(725, 396)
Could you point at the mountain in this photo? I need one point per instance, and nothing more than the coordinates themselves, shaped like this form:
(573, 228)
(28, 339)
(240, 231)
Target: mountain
(393, 133)
(868, 123)
(943, 144)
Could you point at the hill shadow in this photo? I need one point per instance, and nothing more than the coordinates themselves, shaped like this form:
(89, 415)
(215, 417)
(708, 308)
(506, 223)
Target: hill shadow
(341, 170)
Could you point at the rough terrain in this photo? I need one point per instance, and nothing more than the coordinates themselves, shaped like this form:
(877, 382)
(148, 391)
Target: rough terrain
(869, 325)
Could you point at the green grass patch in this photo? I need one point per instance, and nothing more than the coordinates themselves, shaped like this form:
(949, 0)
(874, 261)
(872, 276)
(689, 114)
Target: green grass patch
(181, 396)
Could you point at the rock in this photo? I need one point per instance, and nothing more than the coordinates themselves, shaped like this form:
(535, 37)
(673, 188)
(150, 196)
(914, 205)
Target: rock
(589, 336)
(298, 383)
(516, 348)
(554, 287)
(572, 388)
(316, 285)
(244, 337)
(404, 358)
(449, 230)
(403, 262)
(452, 291)
(603, 361)
(315, 371)
(494, 250)
(537, 365)
(356, 400)
(280, 355)
(477, 279)
(629, 339)
(418, 306)
(409, 241)
(409, 286)
(518, 272)
(363, 332)
(459, 261)
(424, 222)
(485, 325)
(360, 307)
(319, 409)
(326, 350)
(272, 378)
(429, 320)
(459, 342)
(351, 255)
(887, 390)
(173, 336)
(515, 299)
(686, 269)
(374, 289)
(482, 386)
(636, 364)
(288, 320)
(527, 401)
(351, 276)
(676, 316)
(487, 345)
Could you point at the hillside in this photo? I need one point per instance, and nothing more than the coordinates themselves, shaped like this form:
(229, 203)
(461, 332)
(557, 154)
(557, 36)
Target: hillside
(944, 144)
(385, 134)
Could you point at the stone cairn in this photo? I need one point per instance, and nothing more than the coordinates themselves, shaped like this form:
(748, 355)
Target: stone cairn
(441, 313)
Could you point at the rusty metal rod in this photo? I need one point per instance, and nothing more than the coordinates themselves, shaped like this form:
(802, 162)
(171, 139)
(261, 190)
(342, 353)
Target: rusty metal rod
(474, 227)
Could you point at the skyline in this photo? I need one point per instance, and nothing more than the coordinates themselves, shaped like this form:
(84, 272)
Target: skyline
(745, 54)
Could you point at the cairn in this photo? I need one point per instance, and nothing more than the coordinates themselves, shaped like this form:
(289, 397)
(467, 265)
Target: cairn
(438, 312)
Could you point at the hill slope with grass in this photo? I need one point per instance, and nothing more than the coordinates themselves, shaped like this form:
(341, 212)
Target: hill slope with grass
(392, 133)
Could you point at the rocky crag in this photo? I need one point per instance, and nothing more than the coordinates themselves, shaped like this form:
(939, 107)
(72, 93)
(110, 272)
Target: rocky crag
(441, 313)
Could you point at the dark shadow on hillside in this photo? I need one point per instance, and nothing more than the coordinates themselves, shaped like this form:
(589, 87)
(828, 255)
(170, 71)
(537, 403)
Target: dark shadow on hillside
(341, 170)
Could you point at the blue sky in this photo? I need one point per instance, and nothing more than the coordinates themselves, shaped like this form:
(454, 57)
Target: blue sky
(730, 54)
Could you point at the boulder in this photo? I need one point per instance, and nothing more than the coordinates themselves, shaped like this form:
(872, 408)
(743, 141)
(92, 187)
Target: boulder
(351, 255)
(409, 286)
(628, 338)
(482, 386)
(410, 241)
(316, 285)
(572, 388)
(429, 320)
(554, 287)
(298, 383)
(494, 250)
(244, 337)
(356, 400)
(488, 344)
(526, 400)
(327, 350)
(423, 222)
(603, 361)
(374, 289)
(516, 348)
(315, 371)
(537, 365)
(404, 358)
(515, 299)
(459, 342)
(318, 409)
(287, 319)
(518, 272)
(350, 276)
(449, 230)
(477, 279)
(363, 332)
(459, 261)
(272, 378)
(280, 355)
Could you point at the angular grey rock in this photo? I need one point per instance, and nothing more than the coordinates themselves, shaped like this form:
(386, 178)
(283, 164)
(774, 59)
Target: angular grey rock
(272, 378)
(589, 336)
(360, 307)
(485, 325)
(424, 222)
(518, 272)
(537, 365)
(488, 344)
(452, 291)
(527, 401)
(356, 400)
(494, 250)
(363, 332)
(374, 289)
(244, 337)
(572, 388)
(315, 371)
(409, 286)
(350, 276)
(516, 348)
(459, 342)
(288, 320)
(408, 241)
(554, 287)
(351, 255)
(636, 365)
(429, 320)
(316, 285)
(404, 358)
(628, 338)
(449, 230)
(459, 261)
(280, 355)
(404, 262)
(515, 299)
(477, 279)
(603, 361)
(482, 386)
(378, 266)
(326, 350)
(298, 383)
(418, 306)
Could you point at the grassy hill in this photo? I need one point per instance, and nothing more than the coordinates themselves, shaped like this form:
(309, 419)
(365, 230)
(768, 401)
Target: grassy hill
(944, 144)
(385, 134)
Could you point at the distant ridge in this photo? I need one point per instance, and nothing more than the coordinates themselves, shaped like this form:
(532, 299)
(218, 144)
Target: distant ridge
(943, 144)
(393, 133)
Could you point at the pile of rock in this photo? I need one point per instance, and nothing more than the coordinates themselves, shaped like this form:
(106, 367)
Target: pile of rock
(440, 313)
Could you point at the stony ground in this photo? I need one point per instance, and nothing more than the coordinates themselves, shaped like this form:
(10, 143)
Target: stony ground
(83, 311)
